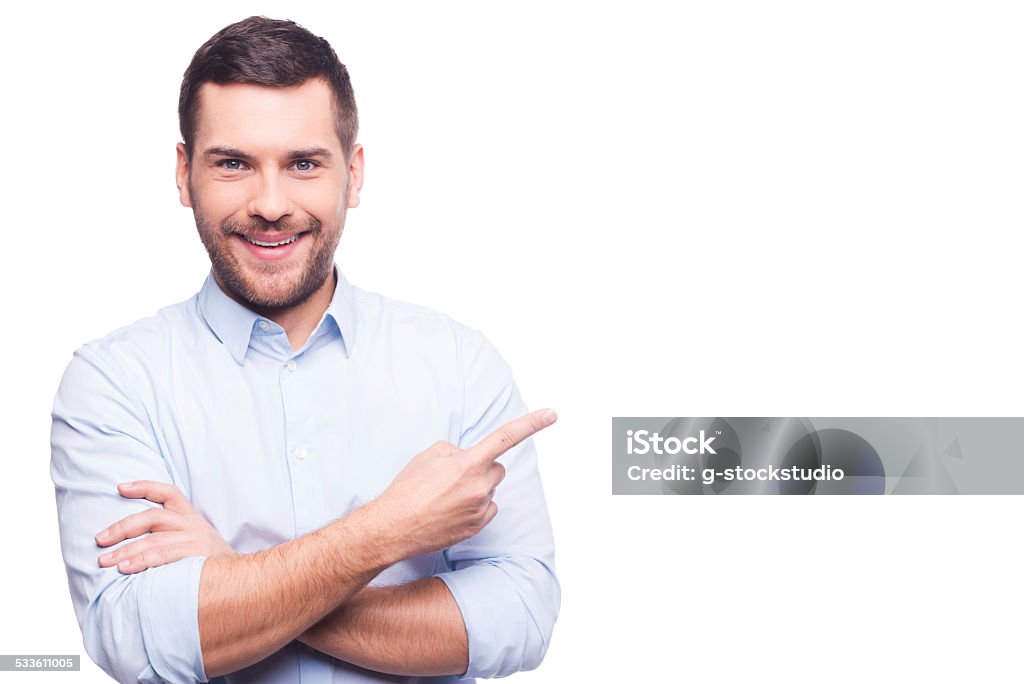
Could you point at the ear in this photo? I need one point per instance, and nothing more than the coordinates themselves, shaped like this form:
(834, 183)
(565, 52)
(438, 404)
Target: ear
(355, 175)
(181, 176)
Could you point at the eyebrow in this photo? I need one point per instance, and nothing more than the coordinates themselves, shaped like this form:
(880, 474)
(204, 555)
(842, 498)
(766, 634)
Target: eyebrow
(235, 153)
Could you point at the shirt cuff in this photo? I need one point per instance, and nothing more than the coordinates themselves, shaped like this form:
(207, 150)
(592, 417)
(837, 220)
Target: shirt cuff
(169, 613)
(495, 619)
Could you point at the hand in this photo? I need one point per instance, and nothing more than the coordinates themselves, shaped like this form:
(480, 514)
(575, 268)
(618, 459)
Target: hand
(177, 530)
(444, 494)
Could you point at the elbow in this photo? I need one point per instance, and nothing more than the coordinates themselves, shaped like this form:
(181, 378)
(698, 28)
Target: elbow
(142, 627)
(534, 654)
(537, 599)
(110, 640)
(509, 605)
(540, 619)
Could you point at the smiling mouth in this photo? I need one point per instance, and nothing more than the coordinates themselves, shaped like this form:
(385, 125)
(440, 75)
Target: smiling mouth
(261, 243)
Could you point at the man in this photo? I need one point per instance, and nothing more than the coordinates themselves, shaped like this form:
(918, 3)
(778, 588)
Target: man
(286, 478)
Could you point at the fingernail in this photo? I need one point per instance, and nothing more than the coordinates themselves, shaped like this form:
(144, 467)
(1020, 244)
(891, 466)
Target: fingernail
(124, 564)
(105, 557)
(103, 535)
(549, 417)
(127, 485)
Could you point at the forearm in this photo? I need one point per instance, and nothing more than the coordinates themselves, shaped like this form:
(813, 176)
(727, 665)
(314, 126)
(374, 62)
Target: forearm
(413, 629)
(252, 605)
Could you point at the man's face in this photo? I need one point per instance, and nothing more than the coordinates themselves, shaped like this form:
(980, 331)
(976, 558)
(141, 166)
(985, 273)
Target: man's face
(269, 185)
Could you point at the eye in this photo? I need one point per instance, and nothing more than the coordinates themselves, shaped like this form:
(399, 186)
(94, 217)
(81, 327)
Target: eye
(305, 165)
(231, 164)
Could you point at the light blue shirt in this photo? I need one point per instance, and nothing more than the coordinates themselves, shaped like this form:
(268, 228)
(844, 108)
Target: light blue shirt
(269, 444)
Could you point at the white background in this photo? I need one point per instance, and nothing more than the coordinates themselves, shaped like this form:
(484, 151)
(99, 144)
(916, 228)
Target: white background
(728, 208)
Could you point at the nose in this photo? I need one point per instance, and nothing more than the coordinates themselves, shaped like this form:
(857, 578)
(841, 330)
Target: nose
(269, 199)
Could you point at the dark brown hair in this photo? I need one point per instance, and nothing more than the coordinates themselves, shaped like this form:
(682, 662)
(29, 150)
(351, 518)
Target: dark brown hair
(267, 52)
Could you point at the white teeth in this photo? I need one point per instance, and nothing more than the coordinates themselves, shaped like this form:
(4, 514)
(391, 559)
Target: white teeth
(260, 243)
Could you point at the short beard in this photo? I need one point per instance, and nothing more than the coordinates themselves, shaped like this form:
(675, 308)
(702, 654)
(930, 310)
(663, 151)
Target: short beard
(232, 276)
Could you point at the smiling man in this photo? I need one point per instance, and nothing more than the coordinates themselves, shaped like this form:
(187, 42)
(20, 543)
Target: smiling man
(270, 207)
(286, 478)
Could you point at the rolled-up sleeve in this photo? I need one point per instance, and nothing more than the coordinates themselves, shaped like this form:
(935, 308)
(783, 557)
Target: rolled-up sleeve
(503, 579)
(142, 627)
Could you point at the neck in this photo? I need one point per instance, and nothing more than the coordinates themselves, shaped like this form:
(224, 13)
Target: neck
(298, 321)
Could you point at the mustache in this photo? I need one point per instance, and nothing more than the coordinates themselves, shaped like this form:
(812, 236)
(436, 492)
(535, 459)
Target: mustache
(258, 224)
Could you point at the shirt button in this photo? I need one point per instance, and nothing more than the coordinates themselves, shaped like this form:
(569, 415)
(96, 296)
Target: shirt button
(300, 453)
(291, 364)
(264, 326)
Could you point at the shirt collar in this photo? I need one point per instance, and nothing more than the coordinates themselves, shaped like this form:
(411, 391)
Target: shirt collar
(234, 324)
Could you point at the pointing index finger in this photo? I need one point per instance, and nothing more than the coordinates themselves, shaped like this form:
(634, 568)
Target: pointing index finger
(512, 433)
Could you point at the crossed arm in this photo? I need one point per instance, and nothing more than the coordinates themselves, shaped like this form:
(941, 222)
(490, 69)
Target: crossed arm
(314, 587)
(187, 612)
(311, 588)
(415, 628)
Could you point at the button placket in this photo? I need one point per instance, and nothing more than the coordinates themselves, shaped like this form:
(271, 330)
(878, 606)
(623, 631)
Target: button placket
(298, 444)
